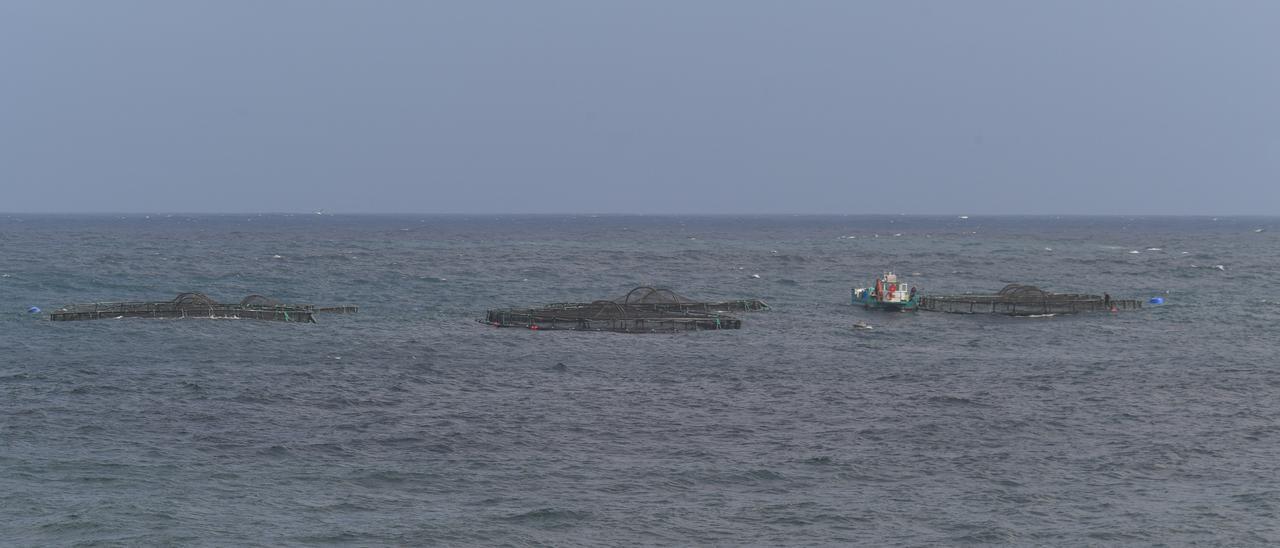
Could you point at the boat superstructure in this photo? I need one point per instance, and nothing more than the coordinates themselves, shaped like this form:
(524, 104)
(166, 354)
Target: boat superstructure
(888, 293)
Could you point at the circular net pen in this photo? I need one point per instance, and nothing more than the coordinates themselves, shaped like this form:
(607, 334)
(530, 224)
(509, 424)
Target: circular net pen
(1025, 300)
(642, 310)
(196, 305)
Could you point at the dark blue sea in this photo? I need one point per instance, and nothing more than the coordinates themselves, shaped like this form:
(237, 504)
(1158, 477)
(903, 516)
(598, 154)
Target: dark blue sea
(412, 424)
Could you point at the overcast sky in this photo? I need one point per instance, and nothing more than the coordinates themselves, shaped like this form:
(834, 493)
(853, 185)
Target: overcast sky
(1091, 107)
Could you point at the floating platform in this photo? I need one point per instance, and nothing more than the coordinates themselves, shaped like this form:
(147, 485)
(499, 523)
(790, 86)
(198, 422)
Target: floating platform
(642, 310)
(1025, 300)
(198, 305)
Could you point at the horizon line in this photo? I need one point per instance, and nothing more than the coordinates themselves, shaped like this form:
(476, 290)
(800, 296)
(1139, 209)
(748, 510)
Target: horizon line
(326, 213)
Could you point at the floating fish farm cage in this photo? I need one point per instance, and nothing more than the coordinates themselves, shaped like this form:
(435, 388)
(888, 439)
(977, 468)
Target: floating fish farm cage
(1025, 300)
(198, 305)
(642, 310)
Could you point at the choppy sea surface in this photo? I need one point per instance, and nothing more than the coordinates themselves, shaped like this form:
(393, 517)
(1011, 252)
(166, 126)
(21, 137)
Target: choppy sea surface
(410, 423)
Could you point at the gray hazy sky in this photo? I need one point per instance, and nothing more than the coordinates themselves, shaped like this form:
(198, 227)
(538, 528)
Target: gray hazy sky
(1137, 107)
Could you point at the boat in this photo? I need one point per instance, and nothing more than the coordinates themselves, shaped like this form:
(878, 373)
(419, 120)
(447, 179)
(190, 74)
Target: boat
(888, 293)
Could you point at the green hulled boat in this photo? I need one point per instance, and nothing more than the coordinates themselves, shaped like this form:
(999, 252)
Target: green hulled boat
(888, 293)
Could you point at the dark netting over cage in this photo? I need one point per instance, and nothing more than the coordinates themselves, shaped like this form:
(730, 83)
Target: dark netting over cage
(1021, 292)
(259, 300)
(652, 295)
(196, 305)
(643, 309)
(193, 299)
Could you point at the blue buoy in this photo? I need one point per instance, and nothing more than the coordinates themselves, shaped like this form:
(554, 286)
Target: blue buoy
(33, 310)
(1156, 300)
